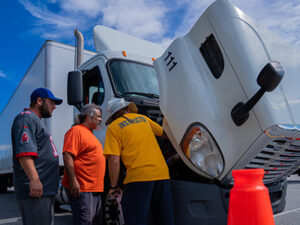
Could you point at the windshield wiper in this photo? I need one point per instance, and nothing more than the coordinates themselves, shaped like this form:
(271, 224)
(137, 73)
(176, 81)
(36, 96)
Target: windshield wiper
(150, 95)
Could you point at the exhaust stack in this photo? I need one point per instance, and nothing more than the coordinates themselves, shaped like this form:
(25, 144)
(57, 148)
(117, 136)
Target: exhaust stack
(78, 49)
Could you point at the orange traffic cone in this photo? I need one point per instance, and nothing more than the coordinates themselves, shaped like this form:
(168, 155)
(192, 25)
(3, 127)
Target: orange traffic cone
(249, 202)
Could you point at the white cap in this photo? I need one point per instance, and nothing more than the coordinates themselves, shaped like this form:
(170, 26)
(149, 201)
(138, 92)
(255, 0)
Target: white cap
(119, 103)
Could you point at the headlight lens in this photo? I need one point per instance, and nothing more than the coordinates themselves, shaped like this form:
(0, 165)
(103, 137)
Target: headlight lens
(202, 150)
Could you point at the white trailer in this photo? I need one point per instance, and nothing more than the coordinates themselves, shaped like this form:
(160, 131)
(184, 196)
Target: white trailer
(48, 69)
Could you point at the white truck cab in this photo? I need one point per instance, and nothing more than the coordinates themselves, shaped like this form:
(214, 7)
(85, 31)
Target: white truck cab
(122, 68)
(225, 105)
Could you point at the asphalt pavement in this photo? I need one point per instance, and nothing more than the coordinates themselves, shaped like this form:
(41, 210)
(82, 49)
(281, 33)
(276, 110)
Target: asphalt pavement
(291, 213)
(9, 214)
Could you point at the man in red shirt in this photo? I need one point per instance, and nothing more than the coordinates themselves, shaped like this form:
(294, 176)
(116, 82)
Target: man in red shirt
(84, 167)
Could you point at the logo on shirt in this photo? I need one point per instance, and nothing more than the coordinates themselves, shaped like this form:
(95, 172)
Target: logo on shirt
(128, 122)
(25, 112)
(24, 138)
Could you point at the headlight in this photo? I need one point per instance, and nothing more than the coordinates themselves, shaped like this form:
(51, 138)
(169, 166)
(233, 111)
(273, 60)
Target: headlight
(202, 150)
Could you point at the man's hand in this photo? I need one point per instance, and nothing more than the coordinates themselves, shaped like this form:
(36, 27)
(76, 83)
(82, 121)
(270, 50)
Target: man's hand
(75, 188)
(114, 171)
(115, 192)
(69, 166)
(36, 188)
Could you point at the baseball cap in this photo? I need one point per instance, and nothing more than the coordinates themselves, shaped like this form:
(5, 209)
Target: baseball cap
(44, 93)
(119, 103)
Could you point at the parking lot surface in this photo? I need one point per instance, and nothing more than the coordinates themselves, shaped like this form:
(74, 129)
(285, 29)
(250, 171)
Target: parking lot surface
(9, 214)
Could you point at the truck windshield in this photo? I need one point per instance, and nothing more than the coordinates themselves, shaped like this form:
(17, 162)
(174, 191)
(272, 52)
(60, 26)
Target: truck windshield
(131, 78)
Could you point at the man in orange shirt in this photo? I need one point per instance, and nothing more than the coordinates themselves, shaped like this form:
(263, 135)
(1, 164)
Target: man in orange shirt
(84, 167)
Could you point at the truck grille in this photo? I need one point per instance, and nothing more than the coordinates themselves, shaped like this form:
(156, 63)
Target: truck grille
(279, 159)
(276, 150)
(148, 107)
(152, 112)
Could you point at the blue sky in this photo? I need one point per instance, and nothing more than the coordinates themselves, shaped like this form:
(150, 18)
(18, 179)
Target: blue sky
(26, 24)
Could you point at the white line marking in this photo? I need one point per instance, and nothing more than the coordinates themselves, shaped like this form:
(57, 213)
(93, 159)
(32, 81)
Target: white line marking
(286, 212)
(10, 220)
(16, 219)
(63, 214)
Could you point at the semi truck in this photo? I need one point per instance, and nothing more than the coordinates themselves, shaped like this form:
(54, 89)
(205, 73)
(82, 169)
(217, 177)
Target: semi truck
(225, 93)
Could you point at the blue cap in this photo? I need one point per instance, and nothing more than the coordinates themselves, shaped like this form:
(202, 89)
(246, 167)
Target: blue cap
(44, 93)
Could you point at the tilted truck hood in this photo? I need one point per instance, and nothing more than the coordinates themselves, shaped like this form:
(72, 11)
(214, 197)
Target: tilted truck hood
(191, 93)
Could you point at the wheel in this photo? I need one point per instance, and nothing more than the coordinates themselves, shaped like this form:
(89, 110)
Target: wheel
(280, 207)
(278, 196)
(280, 204)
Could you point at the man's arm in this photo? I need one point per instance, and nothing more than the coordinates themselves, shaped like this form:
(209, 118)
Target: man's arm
(69, 166)
(36, 187)
(114, 171)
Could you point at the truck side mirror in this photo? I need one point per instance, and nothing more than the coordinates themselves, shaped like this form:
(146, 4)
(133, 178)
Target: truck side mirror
(270, 76)
(75, 88)
(268, 79)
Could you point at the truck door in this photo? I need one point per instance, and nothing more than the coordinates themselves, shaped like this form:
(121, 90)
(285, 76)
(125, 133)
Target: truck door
(95, 91)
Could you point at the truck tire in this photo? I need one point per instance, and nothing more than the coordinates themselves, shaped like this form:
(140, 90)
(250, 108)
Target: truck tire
(3, 184)
(280, 206)
(278, 197)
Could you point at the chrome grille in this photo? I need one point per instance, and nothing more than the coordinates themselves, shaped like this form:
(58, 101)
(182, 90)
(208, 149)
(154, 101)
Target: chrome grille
(280, 158)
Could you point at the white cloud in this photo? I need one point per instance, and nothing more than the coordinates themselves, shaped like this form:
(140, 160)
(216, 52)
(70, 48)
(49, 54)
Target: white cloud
(48, 17)
(5, 147)
(282, 17)
(153, 19)
(2, 74)
(51, 25)
(165, 42)
(89, 8)
(140, 18)
(195, 8)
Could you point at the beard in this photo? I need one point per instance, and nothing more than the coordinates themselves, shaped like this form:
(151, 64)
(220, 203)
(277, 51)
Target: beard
(44, 111)
(98, 125)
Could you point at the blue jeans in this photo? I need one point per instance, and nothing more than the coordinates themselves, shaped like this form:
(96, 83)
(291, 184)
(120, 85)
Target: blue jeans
(141, 197)
(86, 209)
(37, 211)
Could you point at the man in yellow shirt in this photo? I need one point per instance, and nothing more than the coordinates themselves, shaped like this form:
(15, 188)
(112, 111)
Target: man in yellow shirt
(131, 138)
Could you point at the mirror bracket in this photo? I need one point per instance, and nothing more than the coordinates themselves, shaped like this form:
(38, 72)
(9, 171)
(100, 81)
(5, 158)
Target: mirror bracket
(268, 79)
